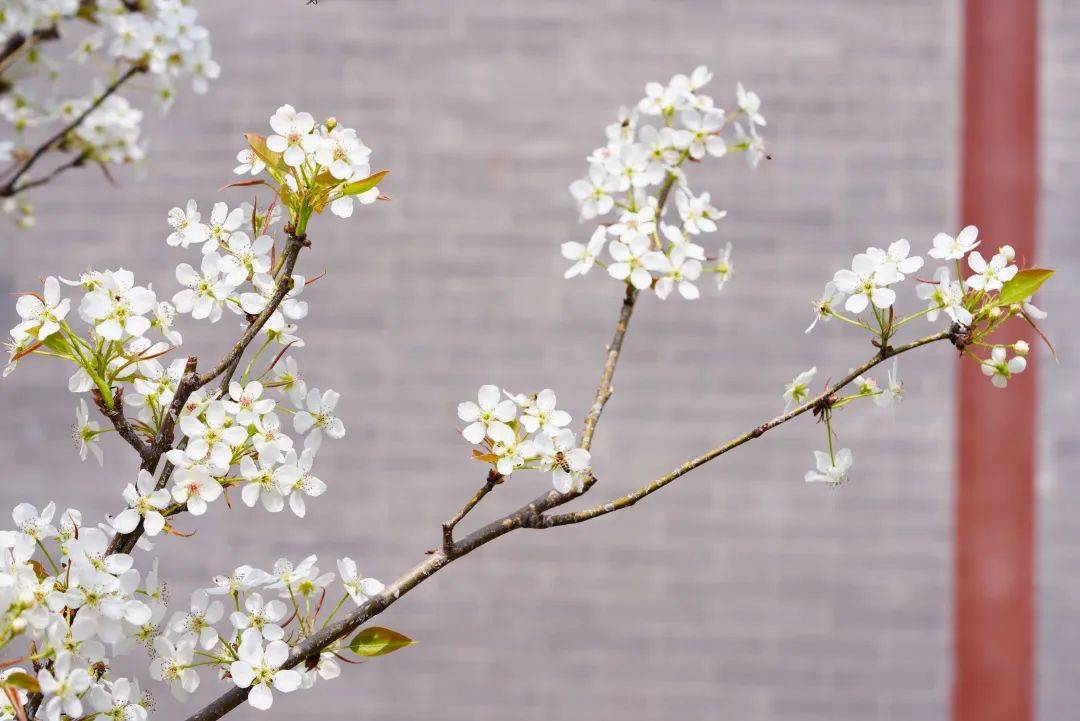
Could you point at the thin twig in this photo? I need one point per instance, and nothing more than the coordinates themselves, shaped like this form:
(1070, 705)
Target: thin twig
(494, 478)
(11, 188)
(630, 499)
(116, 416)
(604, 391)
(77, 162)
(19, 42)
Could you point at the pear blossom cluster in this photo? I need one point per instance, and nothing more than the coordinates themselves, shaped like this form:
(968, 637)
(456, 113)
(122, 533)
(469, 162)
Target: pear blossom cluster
(77, 608)
(313, 165)
(525, 432)
(238, 441)
(64, 588)
(631, 177)
(80, 607)
(271, 612)
(974, 301)
(129, 330)
(160, 37)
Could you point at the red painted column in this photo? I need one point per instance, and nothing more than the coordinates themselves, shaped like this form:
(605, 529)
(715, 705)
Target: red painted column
(995, 508)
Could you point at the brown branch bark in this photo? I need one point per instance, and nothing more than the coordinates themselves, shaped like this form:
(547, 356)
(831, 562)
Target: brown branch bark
(494, 478)
(116, 416)
(630, 499)
(607, 375)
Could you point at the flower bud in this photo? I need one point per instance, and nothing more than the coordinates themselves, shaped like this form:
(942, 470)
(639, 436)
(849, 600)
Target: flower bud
(331, 123)
(995, 312)
(1015, 309)
(18, 625)
(1021, 347)
(1008, 252)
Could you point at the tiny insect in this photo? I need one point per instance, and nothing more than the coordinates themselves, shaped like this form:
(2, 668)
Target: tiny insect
(560, 460)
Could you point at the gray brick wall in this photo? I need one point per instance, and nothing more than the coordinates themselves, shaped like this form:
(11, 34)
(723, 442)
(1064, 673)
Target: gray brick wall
(738, 593)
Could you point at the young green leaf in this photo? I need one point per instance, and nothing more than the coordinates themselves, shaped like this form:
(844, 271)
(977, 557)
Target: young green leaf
(258, 146)
(378, 641)
(23, 680)
(1023, 285)
(362, 186)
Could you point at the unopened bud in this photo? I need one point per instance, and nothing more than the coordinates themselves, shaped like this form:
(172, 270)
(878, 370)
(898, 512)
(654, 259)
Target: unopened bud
(1015, 309)
(1008, 252)
(995, 312)
(331, 123)
(18, 625)
(1021, 347)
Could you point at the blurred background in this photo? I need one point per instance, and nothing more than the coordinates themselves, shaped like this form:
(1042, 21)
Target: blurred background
(740, 592)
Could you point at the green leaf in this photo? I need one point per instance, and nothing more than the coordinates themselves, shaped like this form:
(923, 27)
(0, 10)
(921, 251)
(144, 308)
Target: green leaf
(23, 680)
(362, 186)
(378, 641)
(1023, 285)
(274, 161)
(57, 343)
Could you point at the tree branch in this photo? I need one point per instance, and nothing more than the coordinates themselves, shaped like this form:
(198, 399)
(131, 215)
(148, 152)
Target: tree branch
(532, 516)
(815, 403)
(192, 381)
(11, 188)
(604, 391)
(76, 162)
(116, 416)
(284, 284)
(494, 478)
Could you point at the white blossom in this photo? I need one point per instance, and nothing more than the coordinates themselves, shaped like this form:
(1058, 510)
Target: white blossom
(675, 271)
(262, 616)
(145, 502)
(697, 213)
(1000, 370)
(829, 470)
(117, 306)
(946, 295)
(296, 480)
(211, 436)
(798, 390)
(584, 256)
(750, 104)
(317, 417)
(41, 314)
(947, 247)
(205, 292)
(291, 128)
(702, 133)
(629, 262)
(186, 225)
(85, 433)
(989, 276)
(64, 684)
(865, 283)
(360, 589)
(173, 665)
(199, 620)
(490, 412)
(259, 668)
(893, 390)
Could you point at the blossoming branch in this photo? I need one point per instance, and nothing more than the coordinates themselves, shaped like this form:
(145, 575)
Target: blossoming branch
(129, 39)
(72, 593)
